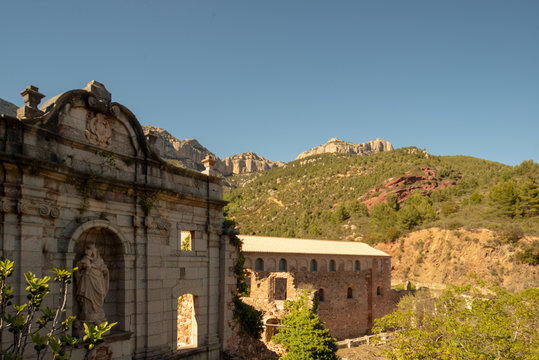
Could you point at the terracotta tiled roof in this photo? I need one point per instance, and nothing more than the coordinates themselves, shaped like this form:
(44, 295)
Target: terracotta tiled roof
(267, 244)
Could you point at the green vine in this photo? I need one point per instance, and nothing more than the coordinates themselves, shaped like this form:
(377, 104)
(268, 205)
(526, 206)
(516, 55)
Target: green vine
(108, 158)
(147, 201)
(249, 318)
(86, 187)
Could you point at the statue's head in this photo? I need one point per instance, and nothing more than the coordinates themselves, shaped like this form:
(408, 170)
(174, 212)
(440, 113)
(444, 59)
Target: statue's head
(91, 250)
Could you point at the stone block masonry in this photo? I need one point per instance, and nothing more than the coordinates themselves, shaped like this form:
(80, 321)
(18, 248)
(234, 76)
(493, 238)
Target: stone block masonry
(351, 280)
(79, 170)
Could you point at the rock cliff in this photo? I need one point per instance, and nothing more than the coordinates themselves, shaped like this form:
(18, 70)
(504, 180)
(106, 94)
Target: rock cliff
(245, 163)
(339, 146)
(189, 153)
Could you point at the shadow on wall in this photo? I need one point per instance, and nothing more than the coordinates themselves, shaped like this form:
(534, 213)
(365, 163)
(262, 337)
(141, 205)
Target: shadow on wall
(250, 349)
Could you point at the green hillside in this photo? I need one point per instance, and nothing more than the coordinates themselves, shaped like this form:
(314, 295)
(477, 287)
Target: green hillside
(317, 197)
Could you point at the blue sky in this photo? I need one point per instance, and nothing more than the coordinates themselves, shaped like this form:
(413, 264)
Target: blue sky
(279, 77)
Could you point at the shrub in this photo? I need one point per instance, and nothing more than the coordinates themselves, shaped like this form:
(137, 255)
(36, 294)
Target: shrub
(529, 254)
(303, 333)
(464, 323)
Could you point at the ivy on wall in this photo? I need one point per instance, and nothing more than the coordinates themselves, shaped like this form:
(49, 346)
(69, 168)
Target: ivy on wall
(249, 318)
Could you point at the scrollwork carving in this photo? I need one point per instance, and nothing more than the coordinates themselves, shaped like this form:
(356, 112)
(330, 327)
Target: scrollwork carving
(4, 205)
(55, 212)
(44, 210)
(22, 207)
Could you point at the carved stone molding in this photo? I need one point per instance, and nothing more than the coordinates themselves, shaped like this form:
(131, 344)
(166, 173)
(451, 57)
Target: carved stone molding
(22, 207)
(4, 205)
(55, 212)
(47, 210)
(44, 210)
(98, 130)
(115, 109)
(157, 223)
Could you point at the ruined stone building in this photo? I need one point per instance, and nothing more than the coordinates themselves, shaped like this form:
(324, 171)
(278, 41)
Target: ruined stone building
(81, 186)
(352, 279)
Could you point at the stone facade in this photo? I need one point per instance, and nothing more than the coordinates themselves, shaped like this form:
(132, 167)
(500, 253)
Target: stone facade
(79, 170)
(353, 283)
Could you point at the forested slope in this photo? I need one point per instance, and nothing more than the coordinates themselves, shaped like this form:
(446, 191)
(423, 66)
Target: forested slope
(326, 196)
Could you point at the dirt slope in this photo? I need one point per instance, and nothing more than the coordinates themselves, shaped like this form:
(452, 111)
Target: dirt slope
(437, 256)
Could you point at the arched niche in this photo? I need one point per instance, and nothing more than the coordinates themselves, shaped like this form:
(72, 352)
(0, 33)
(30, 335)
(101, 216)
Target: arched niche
(111, 246)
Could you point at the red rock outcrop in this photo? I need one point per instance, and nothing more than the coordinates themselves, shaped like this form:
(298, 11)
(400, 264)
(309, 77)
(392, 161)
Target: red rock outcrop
(404, 186)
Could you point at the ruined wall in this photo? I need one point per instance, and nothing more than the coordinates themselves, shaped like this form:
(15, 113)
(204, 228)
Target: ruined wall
(346, 313)
(80, 171)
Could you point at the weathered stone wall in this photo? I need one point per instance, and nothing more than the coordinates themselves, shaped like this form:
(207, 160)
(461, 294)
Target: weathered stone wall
(345, 317)
(81, 171)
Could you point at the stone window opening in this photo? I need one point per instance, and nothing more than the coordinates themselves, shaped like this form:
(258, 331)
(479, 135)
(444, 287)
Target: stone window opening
(187, 331)
(283, 265)
(314, 266)
(279, 290)
(321, 296)
(186, 240)
(332, 266)
(259, 265)
(350, 293)
(272, 328)
(357, 265)
(379, 291)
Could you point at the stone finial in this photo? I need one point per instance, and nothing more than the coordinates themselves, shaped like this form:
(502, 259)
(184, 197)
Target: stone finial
(98, 90)
(209, 162)
(32, 97)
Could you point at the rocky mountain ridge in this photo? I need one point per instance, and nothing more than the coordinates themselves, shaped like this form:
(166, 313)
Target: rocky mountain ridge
(335, 145)
(189, 153)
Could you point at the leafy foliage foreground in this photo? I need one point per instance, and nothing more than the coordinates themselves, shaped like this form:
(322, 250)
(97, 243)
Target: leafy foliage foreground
(465, 323)
(48, 330)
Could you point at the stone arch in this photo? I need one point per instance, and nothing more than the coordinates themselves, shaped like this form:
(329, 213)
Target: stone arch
(272, 328)
(96, 223)
(111, 246)
(187, 321)
(283, 266)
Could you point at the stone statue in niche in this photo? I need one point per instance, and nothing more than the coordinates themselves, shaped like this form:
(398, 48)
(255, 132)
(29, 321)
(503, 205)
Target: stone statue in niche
(92, 279)
(98, 130)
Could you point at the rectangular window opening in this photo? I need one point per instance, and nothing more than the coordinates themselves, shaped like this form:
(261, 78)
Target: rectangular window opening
(186, 240)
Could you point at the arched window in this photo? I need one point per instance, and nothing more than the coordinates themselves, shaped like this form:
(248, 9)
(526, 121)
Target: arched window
(357, 265)
(187, 328)
(321, 295)
(259, 265)
(349, 293)
(314, 265)
(332, 265)
(282, 265)
(379, 291)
